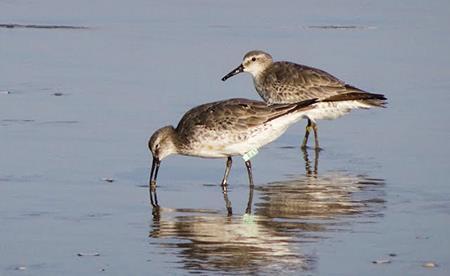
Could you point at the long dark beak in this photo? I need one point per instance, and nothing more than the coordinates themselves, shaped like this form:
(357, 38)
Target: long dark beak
(236, 71)
(154, 172)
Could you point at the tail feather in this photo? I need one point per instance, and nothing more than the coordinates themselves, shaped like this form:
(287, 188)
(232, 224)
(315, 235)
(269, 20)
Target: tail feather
(370, 99)
(288, 108)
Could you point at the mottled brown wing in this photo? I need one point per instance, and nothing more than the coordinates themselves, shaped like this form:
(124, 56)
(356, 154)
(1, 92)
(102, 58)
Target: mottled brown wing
(234, 114)
(287, 82)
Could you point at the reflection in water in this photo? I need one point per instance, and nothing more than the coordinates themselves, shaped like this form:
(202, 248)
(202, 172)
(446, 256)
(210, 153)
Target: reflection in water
(207, 241)
(311, 171)
(287, 214)
(320, 203)
(248, 210)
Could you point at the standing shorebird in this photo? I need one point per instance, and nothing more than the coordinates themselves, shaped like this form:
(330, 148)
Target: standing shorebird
(224, 129)
(285, 82)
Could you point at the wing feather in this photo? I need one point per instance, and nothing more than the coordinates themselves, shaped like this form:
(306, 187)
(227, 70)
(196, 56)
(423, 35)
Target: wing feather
(236, 115)
(287, 82)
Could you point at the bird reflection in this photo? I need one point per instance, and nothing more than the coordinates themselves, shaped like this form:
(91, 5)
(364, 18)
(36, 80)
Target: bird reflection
(327, 203)
(311, 170)
(320, 202)
(153, 197)
(288, 216)
(248, 210)
(210, 241)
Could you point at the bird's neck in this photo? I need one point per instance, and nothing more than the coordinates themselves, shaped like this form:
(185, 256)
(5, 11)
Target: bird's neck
(258, 81)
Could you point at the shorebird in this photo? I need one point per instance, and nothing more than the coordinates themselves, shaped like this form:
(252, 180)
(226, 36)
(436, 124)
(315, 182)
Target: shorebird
(285, 82)
(224, 129)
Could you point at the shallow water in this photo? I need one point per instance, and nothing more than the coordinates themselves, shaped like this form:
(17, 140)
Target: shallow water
(81, 104)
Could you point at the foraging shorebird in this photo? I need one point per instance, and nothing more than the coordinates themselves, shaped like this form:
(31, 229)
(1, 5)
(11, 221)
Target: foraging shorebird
(285, 82)
(224, 129)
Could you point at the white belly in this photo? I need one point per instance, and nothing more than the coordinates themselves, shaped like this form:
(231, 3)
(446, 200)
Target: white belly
(333, 110)
(230, 143)
(265, 134)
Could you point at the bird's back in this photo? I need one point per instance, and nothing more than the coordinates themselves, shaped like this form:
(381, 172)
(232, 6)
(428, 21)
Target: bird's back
(227, 122)
(287, 82)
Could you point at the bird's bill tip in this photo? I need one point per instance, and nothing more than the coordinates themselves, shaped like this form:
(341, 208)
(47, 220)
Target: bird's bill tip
(235, 71)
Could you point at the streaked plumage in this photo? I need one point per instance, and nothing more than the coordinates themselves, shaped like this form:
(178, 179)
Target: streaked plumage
(286, 82)
(224, 129)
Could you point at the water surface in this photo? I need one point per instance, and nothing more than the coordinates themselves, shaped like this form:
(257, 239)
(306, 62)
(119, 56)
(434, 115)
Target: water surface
(78, 105)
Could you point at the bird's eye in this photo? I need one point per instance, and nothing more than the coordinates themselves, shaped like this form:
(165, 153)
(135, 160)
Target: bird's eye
(253, 58)
(157, 146)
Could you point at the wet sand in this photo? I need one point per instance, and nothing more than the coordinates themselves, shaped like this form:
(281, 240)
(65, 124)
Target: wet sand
(78, 105)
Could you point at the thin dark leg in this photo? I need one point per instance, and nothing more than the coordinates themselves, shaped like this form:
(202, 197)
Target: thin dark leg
(307, 130)
(316, 137)
(227, 171)
(248, 164)
(250, 200)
